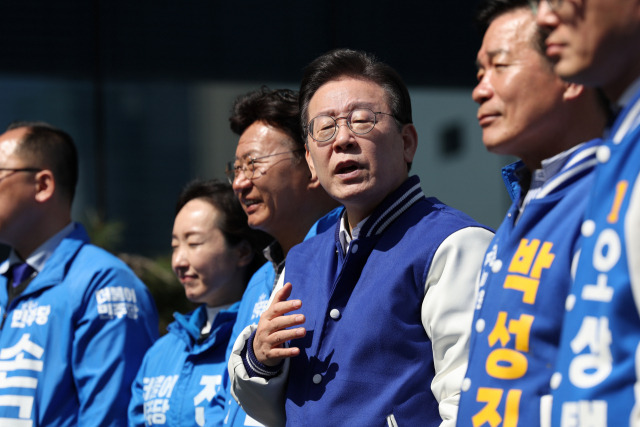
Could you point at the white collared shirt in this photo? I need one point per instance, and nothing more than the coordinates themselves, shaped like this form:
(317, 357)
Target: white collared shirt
(539, 177)
(345, 237)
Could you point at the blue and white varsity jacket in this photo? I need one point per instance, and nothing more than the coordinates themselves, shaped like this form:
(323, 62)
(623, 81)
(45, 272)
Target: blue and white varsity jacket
(181, 380)
(525, 279)
(387, 322)
(598, 370)
(72, 341)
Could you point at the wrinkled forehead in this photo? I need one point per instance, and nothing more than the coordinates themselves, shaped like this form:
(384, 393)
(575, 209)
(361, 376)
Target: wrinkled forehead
(261, 139)
(343, 94)
(511, 35)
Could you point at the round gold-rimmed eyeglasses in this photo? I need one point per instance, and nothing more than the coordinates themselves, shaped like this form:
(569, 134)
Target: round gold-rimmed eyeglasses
(361, 121)
(251, 168)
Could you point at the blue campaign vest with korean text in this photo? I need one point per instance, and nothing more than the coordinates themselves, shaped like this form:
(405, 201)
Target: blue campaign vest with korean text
(523, 284)
(597, 368)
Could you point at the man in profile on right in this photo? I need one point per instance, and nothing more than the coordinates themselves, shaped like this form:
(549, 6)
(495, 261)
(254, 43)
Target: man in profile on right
(597, 43)
(552, 126)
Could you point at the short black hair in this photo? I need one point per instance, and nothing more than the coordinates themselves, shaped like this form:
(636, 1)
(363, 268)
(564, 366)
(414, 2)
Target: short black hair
(232, 221)
(489, 10)
(48, 147)
(276, 107)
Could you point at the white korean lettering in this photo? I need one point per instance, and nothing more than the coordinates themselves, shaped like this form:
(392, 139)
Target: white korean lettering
(584, 414)
(260, 306)
(14, 359)
(117, 302)
(606, 255)
(590, 369)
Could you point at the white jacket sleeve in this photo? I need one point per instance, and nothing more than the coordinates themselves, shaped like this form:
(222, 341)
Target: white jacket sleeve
(632, 238)
(447, 312)
(262, 399)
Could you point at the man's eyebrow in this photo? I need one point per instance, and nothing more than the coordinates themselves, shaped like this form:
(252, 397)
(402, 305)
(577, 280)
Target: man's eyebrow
(492, 54)
(353, 105)
(360, 104)
(251, 153)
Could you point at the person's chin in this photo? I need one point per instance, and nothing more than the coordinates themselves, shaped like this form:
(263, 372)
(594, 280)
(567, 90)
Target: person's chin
(571, 69)
(346, 192)
(258, 221)
(493, 142)
(193, 298)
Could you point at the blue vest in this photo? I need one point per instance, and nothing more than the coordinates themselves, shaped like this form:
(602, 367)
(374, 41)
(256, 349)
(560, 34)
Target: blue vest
(524, 281)
(598, 363)
(366, 354)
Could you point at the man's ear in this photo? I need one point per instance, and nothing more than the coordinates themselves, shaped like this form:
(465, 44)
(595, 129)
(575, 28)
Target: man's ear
(245, 253)
(572, 91)
(410, 140)
(313, 178)
(45, 185)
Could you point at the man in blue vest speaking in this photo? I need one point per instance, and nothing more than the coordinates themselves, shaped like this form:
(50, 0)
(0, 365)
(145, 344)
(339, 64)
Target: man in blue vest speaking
(376, 311)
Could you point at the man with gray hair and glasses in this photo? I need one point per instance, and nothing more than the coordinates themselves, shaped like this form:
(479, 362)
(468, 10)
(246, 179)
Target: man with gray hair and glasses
(375, 311)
